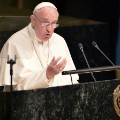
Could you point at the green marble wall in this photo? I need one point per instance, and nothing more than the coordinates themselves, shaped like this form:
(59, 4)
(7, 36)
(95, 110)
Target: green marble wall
(86, 101)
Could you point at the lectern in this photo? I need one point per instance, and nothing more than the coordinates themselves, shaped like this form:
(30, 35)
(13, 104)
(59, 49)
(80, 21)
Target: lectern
(85, 101)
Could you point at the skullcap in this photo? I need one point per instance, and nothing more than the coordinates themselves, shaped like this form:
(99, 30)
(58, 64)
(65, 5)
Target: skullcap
(44, 4)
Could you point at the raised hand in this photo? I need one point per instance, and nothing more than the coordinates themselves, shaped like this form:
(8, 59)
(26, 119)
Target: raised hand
(55, 67)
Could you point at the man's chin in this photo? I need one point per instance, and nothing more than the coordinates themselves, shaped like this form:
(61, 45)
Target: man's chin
(47, 38)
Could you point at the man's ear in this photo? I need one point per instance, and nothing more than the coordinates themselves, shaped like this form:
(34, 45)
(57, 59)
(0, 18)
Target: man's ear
(32, 18)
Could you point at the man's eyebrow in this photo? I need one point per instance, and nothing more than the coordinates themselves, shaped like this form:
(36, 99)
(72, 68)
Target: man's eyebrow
(46, 20)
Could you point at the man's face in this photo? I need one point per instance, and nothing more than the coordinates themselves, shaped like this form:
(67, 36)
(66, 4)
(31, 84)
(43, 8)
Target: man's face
(44, 22)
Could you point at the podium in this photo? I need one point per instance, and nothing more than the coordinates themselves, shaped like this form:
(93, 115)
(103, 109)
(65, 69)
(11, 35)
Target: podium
(85, 101)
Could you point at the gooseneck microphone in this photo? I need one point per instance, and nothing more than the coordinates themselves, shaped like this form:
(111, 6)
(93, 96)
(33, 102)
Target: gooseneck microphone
(81, 48)
(96, 46)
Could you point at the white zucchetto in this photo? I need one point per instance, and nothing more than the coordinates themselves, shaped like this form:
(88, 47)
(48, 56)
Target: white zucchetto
(44, 4)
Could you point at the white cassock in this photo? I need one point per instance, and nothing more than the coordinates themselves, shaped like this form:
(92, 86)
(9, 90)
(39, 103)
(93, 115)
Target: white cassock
(32, 59)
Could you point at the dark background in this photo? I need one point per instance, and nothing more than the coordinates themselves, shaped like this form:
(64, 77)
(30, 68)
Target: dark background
(99, 10)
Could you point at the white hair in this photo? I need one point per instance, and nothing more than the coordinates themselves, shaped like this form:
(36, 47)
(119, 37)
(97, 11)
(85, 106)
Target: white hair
(43, 4)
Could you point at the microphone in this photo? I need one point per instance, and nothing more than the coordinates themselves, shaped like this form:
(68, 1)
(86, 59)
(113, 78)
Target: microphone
(81, 48)
(96, 46)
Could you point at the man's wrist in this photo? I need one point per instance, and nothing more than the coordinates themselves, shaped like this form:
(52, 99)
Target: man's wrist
(49, 76)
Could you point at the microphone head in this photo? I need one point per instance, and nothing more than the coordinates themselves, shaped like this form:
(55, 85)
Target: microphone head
(80, 45)
(94, 43)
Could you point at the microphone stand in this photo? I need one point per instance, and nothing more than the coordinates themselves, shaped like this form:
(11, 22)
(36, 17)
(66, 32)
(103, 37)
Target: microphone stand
(11, 62)
(96, 46)
(81, 48)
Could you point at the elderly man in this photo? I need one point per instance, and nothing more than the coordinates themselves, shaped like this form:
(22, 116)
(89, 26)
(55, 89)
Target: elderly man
(41, 54)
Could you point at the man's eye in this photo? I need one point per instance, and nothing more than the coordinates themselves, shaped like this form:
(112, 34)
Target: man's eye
(46, 23)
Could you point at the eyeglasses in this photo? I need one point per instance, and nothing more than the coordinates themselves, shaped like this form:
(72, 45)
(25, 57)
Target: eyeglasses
(46, 24)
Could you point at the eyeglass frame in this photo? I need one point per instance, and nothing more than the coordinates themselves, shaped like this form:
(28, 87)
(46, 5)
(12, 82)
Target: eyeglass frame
(46, 24)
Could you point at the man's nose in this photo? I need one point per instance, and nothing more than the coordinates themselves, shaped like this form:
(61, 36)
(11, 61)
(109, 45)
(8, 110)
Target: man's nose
(50, 28)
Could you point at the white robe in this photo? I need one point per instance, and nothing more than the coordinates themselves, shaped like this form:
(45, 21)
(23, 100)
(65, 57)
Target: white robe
(29, 71)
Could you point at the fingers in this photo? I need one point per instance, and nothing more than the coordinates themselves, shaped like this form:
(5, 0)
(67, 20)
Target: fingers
(55, 61)
(55, 66)
(61, 65)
